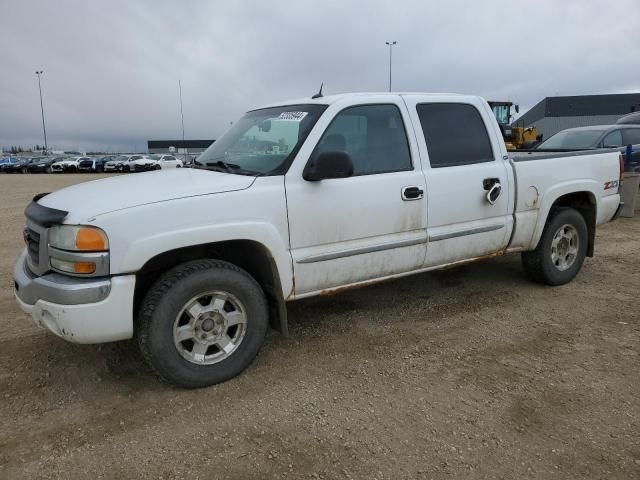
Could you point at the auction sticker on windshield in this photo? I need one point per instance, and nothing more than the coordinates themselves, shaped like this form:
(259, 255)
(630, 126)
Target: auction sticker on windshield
(292, 116)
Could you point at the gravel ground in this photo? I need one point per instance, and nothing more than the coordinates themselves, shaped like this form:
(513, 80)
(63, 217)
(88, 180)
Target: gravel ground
(472, 372)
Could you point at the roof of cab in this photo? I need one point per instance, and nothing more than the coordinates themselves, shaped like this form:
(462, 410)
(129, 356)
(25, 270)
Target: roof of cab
(329, 99)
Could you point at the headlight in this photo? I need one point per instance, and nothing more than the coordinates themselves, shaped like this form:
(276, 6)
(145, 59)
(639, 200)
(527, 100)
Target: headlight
(79, 250)
(78, 238)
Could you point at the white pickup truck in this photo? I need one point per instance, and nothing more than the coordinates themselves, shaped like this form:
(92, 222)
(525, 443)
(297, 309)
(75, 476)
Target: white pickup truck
(298, 199)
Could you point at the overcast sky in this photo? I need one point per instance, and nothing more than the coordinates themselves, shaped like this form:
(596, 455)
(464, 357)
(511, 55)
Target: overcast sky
(111, 69)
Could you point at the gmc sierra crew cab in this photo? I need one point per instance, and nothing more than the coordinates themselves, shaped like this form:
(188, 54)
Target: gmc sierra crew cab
(298, 199)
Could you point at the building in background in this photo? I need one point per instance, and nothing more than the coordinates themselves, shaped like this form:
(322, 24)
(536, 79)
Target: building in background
(558, 113)
(180, 147)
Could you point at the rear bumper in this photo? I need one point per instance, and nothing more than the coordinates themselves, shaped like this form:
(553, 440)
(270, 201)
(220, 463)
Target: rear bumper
(80, 310)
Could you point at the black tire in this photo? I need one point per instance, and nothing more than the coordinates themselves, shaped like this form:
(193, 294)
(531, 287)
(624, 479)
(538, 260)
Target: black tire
(126, 169)
(167, 297)
(157, 167)
(538, 263)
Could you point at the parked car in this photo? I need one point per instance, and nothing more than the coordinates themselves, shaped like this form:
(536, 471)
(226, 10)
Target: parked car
(189, 161)
(94, 164)
(141, 163)
(15, 166)
(116, 164)
(361, 188)
(68, 165)
(7, 163)
(166, 161)
(27, 163)
(595, 137)
(123, 163)
(42, 164)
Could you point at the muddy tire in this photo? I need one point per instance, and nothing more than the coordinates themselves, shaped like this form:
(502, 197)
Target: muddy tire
(561, 250)
(202, 323)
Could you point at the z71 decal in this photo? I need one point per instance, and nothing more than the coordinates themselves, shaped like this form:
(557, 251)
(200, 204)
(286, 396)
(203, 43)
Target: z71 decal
(611, 184)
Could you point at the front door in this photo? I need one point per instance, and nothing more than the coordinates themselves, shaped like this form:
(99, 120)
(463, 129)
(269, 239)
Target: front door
(349, 230)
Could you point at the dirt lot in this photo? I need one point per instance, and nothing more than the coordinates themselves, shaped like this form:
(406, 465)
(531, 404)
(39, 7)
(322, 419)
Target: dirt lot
(467, 373)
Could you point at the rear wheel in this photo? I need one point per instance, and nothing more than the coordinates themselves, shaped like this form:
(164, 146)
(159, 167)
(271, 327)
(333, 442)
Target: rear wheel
(561, 250)
(202, 323)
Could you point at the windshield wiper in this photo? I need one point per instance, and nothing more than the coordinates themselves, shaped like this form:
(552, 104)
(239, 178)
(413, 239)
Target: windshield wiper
(227, 167)
(232, 168)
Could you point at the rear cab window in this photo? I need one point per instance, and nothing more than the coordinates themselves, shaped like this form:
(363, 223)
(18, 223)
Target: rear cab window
(455, 134)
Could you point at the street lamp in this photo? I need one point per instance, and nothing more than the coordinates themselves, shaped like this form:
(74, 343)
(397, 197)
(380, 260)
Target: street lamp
(44, 128)
(391, 44)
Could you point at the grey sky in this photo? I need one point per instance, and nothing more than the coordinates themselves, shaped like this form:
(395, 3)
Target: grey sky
(112, 68)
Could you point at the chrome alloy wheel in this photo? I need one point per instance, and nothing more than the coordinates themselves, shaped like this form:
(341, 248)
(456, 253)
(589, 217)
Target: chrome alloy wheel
(564, 247)
(210, 327)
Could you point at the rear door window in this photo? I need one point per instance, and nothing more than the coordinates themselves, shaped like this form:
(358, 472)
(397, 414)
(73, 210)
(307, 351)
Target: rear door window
(455, 134)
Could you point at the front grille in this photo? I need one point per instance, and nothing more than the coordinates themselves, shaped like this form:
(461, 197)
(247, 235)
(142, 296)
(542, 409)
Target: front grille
(32, 240)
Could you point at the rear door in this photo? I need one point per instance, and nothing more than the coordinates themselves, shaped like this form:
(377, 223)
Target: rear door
(464, 162)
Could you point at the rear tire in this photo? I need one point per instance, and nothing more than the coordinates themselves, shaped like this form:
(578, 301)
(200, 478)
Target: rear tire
(202, 323)
(561, 250)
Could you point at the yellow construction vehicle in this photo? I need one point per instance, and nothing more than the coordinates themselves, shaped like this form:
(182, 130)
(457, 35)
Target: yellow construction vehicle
(518, 137)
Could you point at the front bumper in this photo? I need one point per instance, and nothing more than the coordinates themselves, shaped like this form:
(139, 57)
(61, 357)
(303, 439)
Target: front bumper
(80, 310)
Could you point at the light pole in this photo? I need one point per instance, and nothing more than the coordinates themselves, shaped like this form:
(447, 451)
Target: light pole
(391, 44)
(44, 128)
(182, 120)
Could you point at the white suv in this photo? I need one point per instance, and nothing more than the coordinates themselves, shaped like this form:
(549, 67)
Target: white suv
(167, 161)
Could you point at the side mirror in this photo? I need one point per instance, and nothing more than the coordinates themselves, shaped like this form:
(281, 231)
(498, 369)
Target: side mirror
(517, 108)
(328, 165)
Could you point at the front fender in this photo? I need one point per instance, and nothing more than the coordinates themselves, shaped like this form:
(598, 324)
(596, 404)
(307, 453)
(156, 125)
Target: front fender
(141, 250)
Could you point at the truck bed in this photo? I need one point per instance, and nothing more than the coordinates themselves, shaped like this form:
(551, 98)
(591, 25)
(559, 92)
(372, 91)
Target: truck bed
(528, 155)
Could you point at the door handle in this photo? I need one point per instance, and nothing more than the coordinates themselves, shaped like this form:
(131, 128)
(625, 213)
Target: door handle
(487, 183)
(494, 193)
(412, 193)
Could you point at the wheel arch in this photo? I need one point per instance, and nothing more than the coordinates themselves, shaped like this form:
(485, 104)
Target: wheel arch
(584, 201)
(250, 255)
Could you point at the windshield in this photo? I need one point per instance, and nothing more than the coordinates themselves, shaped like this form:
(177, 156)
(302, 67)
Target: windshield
(154, 157)
(121, 158)
(572, 140)
(263, 142)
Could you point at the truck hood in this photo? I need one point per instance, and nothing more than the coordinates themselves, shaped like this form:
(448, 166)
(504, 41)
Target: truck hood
(97, 197)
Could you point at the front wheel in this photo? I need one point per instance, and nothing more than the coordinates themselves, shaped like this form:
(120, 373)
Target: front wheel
(561, 250)
(202, 323)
